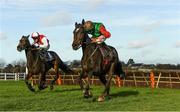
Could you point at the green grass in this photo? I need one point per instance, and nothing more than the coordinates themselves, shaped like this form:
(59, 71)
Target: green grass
(15, 96)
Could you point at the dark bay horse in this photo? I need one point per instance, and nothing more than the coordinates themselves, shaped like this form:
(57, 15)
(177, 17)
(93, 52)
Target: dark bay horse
(93, 62)
(36, 66)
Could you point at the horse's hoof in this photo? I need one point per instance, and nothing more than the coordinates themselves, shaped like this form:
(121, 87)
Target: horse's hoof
(42, 87)
(101, 99)
(32, 89)
(87, 94)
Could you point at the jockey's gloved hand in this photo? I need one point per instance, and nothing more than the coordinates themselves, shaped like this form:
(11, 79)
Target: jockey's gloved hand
(35, 45)
(39, 48)
(100, 39)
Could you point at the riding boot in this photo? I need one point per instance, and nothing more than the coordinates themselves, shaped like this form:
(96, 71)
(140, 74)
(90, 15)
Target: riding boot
(105, 51)
(44, 55)
(108, 51)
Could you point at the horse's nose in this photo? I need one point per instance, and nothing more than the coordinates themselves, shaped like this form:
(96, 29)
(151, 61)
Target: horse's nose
(19, 48)
(74, 46)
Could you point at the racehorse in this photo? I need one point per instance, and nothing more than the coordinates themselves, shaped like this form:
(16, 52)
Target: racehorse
(36, 66)
(92, 62)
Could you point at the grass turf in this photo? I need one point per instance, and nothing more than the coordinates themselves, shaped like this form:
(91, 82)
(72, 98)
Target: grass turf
(14, 95)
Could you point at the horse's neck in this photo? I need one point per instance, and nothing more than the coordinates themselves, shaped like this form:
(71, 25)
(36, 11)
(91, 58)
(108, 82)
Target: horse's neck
(31, 57)
(86, 41)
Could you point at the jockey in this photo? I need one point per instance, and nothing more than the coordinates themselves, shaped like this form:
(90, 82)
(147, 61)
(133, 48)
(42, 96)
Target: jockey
(41, 43)
(99, 35)
(97, 30)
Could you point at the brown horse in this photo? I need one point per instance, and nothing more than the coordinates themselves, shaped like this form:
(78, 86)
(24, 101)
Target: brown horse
(93, 61)
(37, 66)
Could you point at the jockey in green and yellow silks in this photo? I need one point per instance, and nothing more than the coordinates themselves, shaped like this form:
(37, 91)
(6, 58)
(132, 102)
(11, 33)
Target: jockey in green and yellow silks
(97, 30)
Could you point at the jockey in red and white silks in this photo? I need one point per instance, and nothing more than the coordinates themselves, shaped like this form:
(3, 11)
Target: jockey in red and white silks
(40, 41)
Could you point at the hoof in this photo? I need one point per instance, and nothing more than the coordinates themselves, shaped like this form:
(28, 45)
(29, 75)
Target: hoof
(32, 90)
(42, 87)
(101, 99)
(88, 94)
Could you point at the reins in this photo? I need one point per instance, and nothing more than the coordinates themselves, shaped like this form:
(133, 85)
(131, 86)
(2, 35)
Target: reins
(93, 53)
(34, 49)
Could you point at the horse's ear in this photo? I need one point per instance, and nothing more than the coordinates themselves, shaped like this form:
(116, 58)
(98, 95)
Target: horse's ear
(28, 36)
(76, 24)
(83, 21)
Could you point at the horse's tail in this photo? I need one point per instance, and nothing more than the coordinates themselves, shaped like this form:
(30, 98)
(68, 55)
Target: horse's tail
(119, 70)
(118, 66)
(65, 68)
(61, 64)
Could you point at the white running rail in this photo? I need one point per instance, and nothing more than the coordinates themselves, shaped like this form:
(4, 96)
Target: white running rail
(12, 76)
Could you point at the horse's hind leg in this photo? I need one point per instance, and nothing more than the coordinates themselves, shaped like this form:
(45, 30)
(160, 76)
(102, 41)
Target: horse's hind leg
(104, 81)
(119, 71)
(107, 86)
(56, 76)
(29, 75)
(109, 78)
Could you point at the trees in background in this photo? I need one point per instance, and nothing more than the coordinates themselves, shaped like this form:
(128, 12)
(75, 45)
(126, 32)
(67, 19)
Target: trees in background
(168, 66)
(14, 67)
(2, 63)
(130, 62)
(20, 65)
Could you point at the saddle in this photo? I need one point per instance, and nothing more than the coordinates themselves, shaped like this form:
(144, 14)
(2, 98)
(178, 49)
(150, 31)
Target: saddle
(106, 52)
(46, 56)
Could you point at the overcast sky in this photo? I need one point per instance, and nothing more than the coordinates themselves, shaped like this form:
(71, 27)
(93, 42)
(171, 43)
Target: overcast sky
(146, 30)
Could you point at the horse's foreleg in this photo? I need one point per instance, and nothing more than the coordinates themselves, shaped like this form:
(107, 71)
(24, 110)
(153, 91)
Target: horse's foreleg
(80, 82)
(42, 81)
(28, 83)
(86, 92)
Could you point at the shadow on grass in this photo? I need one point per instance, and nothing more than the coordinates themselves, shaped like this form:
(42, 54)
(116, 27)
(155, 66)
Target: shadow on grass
(124, 94)
(65, 90)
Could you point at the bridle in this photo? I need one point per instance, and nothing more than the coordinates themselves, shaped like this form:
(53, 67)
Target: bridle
(81, 43)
